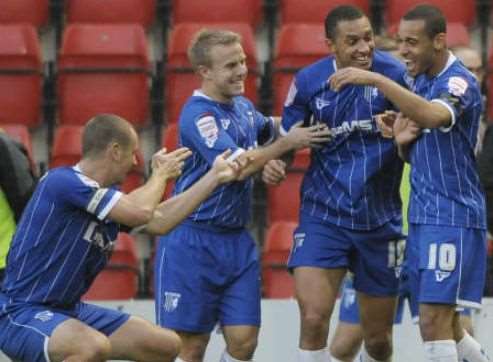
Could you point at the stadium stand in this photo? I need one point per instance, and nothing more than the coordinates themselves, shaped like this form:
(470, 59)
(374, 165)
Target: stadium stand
(34, 12)
(21, 76)
(105, 68)
(218, 11)
(140, 12)
(283, 201)
(295, 11)
(277, 282)
(456, 11)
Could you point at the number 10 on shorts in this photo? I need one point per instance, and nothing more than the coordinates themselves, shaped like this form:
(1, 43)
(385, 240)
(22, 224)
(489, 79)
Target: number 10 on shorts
(442, 255)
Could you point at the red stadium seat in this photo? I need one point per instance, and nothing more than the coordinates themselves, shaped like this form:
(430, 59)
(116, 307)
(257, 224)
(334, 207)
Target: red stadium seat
(67, 146)
(119, 280)
(455, 11)
(296, 11)
(216, 11)
(181, 81)
(20, 133)
(20, 75)
(277, 282)
(103, 69)
(34, 12)
(298, 46)
(283, 201)
(111, 11)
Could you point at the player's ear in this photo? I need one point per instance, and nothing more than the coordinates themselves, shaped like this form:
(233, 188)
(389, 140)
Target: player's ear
(114, 150)
(440, 41)
(204, 72)
(330, 45)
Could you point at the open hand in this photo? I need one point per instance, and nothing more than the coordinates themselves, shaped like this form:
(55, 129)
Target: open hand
(169, 165)
(313, 136)
(227, 170)
(385, 123)
(405, 130)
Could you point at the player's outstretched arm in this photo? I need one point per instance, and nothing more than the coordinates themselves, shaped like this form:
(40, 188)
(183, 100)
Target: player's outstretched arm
(425, 113)
(171, 212)
(137, 207)
(297, 138)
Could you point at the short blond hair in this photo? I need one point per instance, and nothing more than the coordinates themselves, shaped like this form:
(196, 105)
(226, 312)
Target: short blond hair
(204, 40)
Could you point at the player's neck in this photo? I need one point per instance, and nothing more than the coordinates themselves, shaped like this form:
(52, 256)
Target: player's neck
(95, 170)
(439, 64)
(211, 92)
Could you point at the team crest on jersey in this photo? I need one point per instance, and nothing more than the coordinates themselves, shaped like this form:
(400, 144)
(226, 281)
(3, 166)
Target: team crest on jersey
(299, 239)
(44, 316)
(208, 130)
(321, 103)
(171, 301)
(440, 275)
(457, 86)
(225, 122)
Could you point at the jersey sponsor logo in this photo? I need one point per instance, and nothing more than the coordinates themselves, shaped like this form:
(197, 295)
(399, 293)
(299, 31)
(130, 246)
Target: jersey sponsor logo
(171, 301)
(225, 122)
(44, 316)
(457, 86)
(321, 103)
(363, 125)
(291, 94)
(208, 130)
(94, 236)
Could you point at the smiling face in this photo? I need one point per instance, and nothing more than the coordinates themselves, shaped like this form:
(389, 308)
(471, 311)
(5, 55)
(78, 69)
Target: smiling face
(225, 75)
(353, 43)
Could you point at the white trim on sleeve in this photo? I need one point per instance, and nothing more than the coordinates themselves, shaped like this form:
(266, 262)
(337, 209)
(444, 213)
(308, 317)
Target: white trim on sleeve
(452, 114)
(110, 205)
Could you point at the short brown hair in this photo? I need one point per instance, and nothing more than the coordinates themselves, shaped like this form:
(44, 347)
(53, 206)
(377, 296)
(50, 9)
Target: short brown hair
(204, 40)
(102, 130)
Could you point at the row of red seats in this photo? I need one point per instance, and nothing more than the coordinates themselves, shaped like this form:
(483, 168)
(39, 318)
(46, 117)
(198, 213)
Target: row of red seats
(143, 12)
(106, 68)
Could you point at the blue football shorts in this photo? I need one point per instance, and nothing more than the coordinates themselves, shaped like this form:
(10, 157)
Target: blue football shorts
(449, 264)
(205, 276)
(26, 329)
(373, 256)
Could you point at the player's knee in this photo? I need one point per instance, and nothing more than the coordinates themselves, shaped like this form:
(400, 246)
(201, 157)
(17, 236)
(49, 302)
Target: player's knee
(96, 348)
(167, 345)
(243, 348)
(342, 350)
(194, 349)
(434, 325)
(379, 346)
(314, 320)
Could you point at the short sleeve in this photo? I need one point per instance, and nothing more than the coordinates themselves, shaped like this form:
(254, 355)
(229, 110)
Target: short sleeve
(205, 136)
(82, 192)
(296, 105)
(265, 128)
(454, 93)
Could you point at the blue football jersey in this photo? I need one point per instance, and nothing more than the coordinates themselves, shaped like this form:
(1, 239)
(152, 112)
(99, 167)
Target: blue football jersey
(62, 241)
(353, 181)
(444, 180)
(209, 128)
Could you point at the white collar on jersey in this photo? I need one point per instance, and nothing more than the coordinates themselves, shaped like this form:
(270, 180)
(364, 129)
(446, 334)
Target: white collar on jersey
(199, 93)
(85, 179)
(450, 60)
